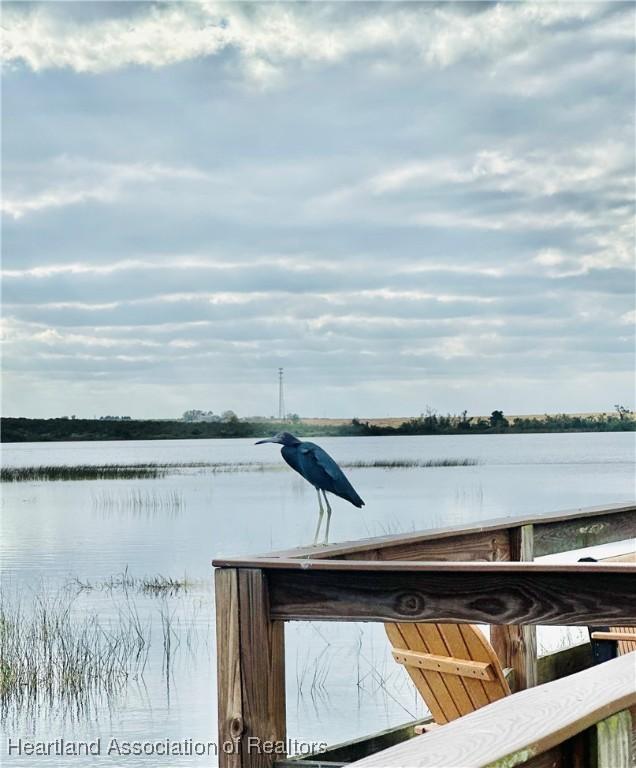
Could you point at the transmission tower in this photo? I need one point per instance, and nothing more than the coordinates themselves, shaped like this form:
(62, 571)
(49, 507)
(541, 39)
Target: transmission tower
(281, 398)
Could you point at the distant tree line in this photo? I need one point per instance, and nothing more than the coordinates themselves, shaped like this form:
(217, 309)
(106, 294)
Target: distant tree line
(196, 415)
(17, 430)
(437, 424)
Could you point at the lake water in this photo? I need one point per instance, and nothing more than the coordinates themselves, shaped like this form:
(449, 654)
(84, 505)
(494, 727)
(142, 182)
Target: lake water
(72, 538)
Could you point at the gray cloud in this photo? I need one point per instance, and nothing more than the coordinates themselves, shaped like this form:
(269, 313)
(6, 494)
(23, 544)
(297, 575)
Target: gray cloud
(400, 203)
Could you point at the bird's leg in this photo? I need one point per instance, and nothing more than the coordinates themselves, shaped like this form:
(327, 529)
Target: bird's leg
(320, 514)
(328, 516)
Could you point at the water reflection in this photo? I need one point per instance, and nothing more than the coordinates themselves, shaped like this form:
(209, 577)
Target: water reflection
(341, 679)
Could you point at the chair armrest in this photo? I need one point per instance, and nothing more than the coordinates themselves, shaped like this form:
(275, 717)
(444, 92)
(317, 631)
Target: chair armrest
(447, 664)
(614, 635)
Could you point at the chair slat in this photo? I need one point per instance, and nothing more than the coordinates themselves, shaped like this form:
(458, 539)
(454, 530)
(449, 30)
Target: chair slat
(481, 650)
(628, 644)
(455, 640)
(433, 642)
(453, 666)
(424, 684)
(447, 664)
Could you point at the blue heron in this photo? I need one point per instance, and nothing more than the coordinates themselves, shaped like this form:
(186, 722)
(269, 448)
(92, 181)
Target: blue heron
(319, 469)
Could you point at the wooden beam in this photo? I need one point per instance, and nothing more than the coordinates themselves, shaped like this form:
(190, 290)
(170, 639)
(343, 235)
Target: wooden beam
(380, 547)
(474, 546)
(272, 564)
(614, 741)
(448, 664)
(251, 671)
(491, 593)
(567, 661)
(355, 749)
(516, 645)
(562, 535)
(520, 728)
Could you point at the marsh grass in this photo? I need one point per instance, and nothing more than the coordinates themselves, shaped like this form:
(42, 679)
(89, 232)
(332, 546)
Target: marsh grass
(156, 470)
(137, 500)
(155, 586)
(80, 472)
(412, 463)
(163, 585)
(59, 659)
(122, 471)
(50, 653)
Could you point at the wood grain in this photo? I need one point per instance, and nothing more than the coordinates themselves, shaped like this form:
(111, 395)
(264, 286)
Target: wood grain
(614, 741)
(437, 693)
(565, 662)
(263, 669)
(432, 566)
(520, 727)
(463, 638)
(448, 664)
(563, 535)
(479, 545)
(516, 645)
(449, 687)
(229, 692)
(495, 593)
(250, 669)
(626, 644)
(479, 648)
(615, 635)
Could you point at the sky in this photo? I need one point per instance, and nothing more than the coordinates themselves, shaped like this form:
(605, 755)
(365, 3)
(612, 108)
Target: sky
(405, 205)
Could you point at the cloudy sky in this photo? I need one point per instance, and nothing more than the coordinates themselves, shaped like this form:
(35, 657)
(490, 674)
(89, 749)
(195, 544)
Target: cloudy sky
(405, 205)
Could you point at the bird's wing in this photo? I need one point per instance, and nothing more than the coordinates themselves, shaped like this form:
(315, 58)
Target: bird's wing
(291, 456)
(318, 464)
(321, 470)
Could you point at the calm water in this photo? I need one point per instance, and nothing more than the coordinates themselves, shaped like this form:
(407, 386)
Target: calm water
(55, 532)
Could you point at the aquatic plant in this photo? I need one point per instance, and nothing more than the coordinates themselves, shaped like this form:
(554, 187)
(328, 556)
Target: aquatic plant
(126, 582)
(49, 651)
(412, 463)
(57, 657)
(121, 471)
(80, 472)
(137, 500)
(155, 470)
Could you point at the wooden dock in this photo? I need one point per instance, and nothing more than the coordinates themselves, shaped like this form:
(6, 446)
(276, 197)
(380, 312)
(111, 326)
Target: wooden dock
(481, 573)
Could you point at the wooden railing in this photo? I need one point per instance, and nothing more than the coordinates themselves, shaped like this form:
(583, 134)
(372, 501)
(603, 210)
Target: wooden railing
(401, 578)
(585, 715)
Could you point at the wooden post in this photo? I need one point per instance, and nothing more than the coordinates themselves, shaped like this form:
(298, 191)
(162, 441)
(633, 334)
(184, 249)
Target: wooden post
(230, 699)
(614, 741)
(251, 671)
(516, 646)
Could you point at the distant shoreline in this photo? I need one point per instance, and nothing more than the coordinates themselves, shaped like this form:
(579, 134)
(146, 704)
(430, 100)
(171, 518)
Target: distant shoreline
(395, 421)
(20, 430)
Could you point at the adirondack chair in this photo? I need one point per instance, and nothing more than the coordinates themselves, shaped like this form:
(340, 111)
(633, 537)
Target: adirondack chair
(453, 666)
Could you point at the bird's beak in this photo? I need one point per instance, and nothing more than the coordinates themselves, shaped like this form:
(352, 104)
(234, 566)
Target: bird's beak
(268, 440)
